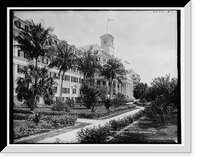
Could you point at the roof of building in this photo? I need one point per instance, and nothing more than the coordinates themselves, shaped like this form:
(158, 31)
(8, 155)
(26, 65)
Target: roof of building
(105, 35)
(96, 47)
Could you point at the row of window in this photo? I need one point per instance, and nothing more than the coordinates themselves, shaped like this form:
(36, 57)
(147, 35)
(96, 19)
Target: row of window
(66, 98)
(56, 76)
(41, 59)
(64, 90)
(19, 25)
(22, 54)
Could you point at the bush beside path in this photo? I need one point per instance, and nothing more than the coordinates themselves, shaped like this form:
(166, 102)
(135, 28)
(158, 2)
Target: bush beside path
(71, 137)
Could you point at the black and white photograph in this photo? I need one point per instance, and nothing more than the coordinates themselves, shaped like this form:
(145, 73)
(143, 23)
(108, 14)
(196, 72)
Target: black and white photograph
(87, 77)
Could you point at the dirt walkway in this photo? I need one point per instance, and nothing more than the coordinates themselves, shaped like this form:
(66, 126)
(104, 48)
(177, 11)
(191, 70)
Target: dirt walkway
(68, 135)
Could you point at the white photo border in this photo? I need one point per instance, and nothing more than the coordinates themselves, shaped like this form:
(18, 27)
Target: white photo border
(186, 105)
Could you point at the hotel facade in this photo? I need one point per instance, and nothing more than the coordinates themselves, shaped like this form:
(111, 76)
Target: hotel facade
(73, 78)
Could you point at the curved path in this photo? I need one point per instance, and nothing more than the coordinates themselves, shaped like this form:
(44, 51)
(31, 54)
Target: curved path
(68, 135)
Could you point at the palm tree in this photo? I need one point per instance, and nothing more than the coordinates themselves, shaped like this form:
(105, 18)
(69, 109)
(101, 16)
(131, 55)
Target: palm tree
(28, 90)
(88, 64)
(113, 69)
(62, 56)
(33, 41)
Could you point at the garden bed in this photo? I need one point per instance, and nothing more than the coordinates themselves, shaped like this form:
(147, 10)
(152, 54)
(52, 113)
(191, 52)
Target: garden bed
(147, 132)
(25, 123)
(46, 123)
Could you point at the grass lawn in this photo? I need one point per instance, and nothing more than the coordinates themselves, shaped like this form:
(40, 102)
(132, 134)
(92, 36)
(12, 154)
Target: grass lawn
(145, 132)
(79, 109)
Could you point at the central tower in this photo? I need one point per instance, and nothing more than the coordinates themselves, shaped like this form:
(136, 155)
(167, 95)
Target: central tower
(107, 43)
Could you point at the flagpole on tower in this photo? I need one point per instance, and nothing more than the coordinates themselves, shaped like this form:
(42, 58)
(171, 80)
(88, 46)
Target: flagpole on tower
(108, 20)
(107, 25)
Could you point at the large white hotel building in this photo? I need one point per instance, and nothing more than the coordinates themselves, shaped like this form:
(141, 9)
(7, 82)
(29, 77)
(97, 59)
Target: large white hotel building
(73, 79)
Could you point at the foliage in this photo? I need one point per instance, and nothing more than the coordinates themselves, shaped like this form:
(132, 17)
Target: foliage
(21, 110)
(95, 115)
(118, 100)
(70, 103)
(100, 134)
(113, 69)
(63, 57)
(48, 100)
(88, 63)
(163, 86)
(60, 106)
(52, 112)
(102, 93)
(90, 95)
(164, 97)
(33, 41)
(159, 110)
(20, 116)
(97, 134)
(140, 90)
(28, 127)
(36, 118)
(28, 90)
(63, 120)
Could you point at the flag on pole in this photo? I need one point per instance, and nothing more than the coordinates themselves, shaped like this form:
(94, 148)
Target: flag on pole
(110, 19)
(127, 62)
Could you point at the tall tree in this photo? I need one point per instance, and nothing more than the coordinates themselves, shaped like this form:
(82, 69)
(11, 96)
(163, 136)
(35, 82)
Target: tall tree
(88, 64)
(140, 90)
(113, 69)
(33, 41)
(63, 57)
(28, 90)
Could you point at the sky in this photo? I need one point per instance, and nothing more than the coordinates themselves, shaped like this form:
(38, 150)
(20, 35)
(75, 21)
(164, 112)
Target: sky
(147, 40)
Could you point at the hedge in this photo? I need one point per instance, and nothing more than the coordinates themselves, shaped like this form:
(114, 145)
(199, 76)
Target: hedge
(100, 134)
(20, 116)
(94, 115)
(46, 123)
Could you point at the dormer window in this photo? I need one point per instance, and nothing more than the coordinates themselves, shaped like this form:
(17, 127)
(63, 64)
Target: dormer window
(17, 24)
(26, 28)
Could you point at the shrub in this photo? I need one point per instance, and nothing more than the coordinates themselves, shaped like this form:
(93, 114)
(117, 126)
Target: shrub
(22, 111)
(90, 95)
(20, 116)
(166, 87)
(97, 134)
(88, 115)
(36, 118)
(64, 120)
(60, 106)
(48, 101)
(140, 90)
(118, 124)
(158, 110)
(24, 128)
(70, 103)
(118, 100)
(52, 112)
(101, 134)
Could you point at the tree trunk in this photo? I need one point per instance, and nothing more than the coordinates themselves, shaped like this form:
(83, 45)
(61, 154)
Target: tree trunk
(111, 88)
(31, 103)
(33, 97)
(61, 84)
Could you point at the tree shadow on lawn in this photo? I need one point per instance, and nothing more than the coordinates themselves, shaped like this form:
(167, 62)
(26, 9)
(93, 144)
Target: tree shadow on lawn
(147, 132)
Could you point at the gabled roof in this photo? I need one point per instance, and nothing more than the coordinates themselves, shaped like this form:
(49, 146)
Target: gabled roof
(106, 35)
(96, 47)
